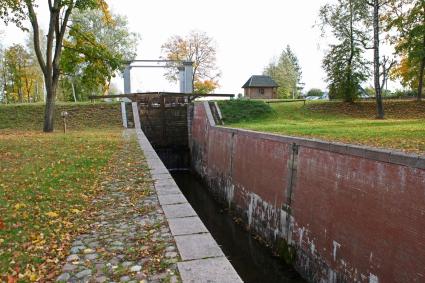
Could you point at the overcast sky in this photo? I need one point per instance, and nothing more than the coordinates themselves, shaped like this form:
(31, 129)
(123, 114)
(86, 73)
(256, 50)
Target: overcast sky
(248, 35)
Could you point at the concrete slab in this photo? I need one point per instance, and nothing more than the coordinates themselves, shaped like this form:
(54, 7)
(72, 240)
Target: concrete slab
(167, 190)
(178, 210)
(165, 183)
(172, 199)
(187, 226)
(212, 270)
(161, 176)
(197, 246)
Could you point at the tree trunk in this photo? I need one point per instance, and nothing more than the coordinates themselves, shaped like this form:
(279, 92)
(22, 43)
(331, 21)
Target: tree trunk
(376, 65)
(421, 79)
(49, 110)
(73, 91)
(421, 76)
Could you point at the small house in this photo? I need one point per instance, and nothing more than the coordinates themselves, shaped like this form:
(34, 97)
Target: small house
(260, 87)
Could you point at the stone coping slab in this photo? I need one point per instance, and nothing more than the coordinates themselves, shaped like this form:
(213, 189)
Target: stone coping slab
(211, 270)
(172, 199)
(202, 260)
(198, 246)
(187, 226)
(178, 210)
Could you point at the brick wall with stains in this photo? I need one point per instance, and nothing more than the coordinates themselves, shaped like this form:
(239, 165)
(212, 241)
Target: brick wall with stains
(352, 213)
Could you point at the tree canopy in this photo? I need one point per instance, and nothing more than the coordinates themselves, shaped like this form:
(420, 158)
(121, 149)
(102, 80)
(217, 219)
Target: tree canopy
(344, 63)
(407, 19)
(198, 48)
(95, 50)
(286, 72)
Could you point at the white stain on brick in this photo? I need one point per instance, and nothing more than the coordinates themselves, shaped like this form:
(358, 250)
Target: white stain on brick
(301, 233)
(230, 193)
(312, 247)
(373, 278)
(336, 247)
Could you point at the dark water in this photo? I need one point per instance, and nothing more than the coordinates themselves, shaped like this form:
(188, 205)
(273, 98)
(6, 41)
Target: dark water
(252, 261)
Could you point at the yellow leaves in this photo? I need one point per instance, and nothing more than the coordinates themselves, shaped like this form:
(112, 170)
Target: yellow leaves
(52, 214)
(107, 17)
(32, 276)
(75, 211)
(18, 206)
(205, 87)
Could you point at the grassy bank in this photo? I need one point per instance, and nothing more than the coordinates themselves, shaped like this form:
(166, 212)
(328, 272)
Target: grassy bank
(403, 129)
(81, 116)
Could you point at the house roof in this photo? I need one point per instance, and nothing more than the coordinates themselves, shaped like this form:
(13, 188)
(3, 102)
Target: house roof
(260, 81)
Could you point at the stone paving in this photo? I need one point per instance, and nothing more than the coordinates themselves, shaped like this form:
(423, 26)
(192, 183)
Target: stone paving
(130, 240)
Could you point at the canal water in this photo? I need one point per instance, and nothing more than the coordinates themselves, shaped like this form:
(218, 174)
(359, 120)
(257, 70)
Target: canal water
(252, 261)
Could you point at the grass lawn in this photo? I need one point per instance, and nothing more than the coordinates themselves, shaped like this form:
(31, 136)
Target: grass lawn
(47, 182)
(403, 129)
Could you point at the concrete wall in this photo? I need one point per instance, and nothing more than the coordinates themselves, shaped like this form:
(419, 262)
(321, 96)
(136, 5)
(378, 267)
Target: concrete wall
(352, 213)
(167, 130)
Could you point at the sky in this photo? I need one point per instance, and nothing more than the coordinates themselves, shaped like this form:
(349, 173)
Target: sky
(248, 35)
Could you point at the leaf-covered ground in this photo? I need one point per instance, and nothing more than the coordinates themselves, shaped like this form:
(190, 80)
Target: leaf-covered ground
(46, 184)
(129, 239)
(403, 129)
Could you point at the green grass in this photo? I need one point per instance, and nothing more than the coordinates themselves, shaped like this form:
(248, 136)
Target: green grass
(46, 184)
(403, 129)
(48, 180)
(244, 110)
(81, 116)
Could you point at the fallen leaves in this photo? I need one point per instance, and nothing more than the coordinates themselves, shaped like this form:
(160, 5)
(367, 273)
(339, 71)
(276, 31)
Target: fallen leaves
(52, 214)
(45, 182)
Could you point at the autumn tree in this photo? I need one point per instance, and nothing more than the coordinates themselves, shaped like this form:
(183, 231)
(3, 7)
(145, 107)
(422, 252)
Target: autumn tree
(205, 87)
(16, 61)
(60, 12)
(95, 50)
(344, 63)
(198, 48)
(286, 72)
(407, 19)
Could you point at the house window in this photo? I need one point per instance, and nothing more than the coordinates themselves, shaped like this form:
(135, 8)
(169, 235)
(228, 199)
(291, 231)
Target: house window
(261, 90)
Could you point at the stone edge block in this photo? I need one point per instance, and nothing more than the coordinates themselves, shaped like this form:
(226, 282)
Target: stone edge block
(198, 246)
(217, 270)
(186, 226)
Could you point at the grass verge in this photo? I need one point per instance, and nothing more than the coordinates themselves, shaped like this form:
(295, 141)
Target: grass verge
(403, 129)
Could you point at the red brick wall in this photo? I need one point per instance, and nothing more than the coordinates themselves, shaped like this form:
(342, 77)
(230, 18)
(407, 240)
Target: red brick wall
(356, 214)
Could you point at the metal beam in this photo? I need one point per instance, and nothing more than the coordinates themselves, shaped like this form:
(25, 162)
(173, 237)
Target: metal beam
(134, 95)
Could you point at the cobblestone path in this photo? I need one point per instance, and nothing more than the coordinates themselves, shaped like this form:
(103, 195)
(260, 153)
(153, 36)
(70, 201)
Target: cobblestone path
(130, 240)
